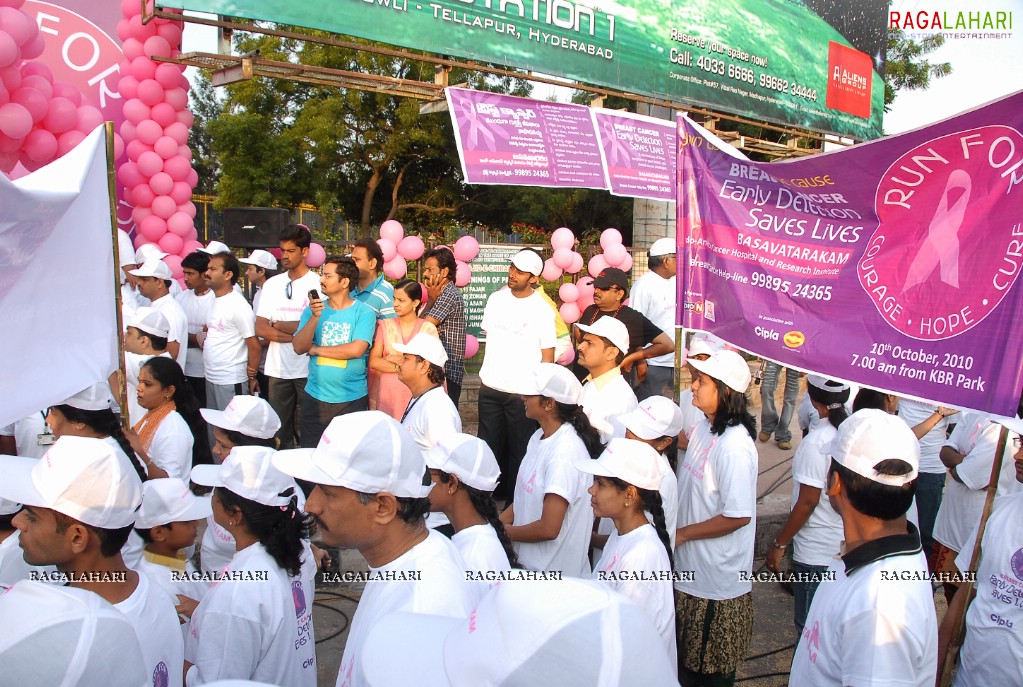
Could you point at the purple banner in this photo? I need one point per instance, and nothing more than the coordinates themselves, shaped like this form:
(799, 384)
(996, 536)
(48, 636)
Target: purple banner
(892, 264)
(503, 139)
(637, 154)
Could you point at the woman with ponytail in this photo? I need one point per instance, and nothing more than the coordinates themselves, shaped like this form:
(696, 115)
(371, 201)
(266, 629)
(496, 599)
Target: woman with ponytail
(464, 472)
(637, 558)
(550, 519)
(256, 622)
(813, 526)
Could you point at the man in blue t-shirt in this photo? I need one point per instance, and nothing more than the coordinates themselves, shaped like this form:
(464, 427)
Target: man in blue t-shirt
(337, 336)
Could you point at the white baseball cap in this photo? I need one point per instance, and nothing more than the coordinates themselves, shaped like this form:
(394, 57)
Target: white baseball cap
(553, 381)
(523, 632)
(528, 260)
(425, 346)
(825, 384)
(248, 415)
(259, 258)
(151, 321)
(366, 451)
(611, 329)
(215, 248)
(870, 436)
(168, 500)
(83, 478)
(703, 343)
(148, 251)
(94, 397)
(726, 366)
(125, 249)
(249, 472)
(653, 418)
(665, 246)
(627, 459)
(67, 637)
(468, 458)
(153, 267)
(9, 507)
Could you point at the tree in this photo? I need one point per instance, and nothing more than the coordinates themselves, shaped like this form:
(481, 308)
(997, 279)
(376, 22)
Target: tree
(207, 107)
(906, 67)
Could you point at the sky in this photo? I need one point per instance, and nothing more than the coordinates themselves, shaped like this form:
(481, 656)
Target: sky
(983, 69)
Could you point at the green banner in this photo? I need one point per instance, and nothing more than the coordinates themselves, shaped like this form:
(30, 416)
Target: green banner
(814, 64)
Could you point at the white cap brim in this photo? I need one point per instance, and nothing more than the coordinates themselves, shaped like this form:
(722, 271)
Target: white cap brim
(592, 466)
(199, 508)
(422, 638)
(17, 484)
(218, 418)
(298, 462)
(1013, 424)
(207, 475)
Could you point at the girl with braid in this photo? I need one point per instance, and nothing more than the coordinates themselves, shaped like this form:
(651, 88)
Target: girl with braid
(637, 558)
(464, 472)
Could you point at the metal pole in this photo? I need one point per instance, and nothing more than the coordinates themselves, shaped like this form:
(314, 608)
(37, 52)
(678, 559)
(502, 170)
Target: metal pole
(122, 389)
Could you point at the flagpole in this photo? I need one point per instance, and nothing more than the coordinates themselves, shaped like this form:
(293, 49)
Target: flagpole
(122, 389)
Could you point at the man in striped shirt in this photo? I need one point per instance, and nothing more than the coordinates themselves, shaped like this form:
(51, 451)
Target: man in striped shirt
(446, 310)
(372, 289)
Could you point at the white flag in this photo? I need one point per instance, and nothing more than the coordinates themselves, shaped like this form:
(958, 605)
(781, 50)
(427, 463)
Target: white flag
(57, 281)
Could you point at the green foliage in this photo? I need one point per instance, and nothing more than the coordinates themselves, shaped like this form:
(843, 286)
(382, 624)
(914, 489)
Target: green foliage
(907, 67)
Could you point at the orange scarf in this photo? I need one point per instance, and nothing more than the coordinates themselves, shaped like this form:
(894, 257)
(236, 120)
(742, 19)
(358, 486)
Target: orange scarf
(150, 422)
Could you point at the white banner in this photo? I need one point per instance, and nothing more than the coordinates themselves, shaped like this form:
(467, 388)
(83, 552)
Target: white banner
(56, 281)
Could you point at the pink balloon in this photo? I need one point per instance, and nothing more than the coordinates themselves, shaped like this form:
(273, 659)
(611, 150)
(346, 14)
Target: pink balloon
(142, 68)
(392, 231)
(567, 357)
(68, 140)
(170, 32)
(132, 48)
(163, 207)
(396, 268)
(568, 292)
(128, 87)
(9, 52)
(128, 174)
(34, 101)
(40, 145)
(615, 254)
(129, 9)
(189, 209)
(179, 223)
(167, 75)
(193, 177)
(192, 245)
(124, 29)
(152, 228)
(11, 78)
(127, 130)
(411, 248)
(5, 97)
(155, 46)
(161, 183)
(69, 91)
(551, 272)
(562, 258)
(139, 213)
(38, 69)
(15, 120)
(163, 114)
(177, 167)
(316, 255)
(10, 145)
(626, 265)
(37, 81)
(181, 193)
(472, 346)
(148, 131)
(185, 152)
(569, 312)
(276, 252)
(388, 248)
(173, 261)
(177, 98)
(597, 265)
(577, 264)
(136, 111)
(562, 238)
(165, 147)
(186, 118)
(466, 248)
(150, 163)
(584, 303)
(609, 237)
(150, 92)
(61, 116)
(34, 48)
(135, 148)
(118, 146)
(585, 286)
(177, 131)
(172, 244)
(18, 24)
(463, 275)
(87, 118)
(8, 161)
(142, 195)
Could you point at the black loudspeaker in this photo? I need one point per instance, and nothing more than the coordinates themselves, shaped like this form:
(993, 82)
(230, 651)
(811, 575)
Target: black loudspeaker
(254, 227)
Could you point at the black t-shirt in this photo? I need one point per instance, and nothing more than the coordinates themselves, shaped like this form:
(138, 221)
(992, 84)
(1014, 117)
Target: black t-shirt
(642, 331)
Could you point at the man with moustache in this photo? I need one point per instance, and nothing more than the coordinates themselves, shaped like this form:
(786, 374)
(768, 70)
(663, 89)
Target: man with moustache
(230, 351)
(371, 488)
(520, 332)
(196, 302)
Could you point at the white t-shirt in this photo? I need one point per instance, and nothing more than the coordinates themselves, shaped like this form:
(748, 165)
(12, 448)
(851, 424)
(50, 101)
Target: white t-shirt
(178, 322)
(482, 552)
(260, 630)
(718, 477)
(547, 468)
(197, 312)
(976, 437)
(913, 413)
(654, 296)
(432, 417)
(224, 354)
(26, 435)
(133, 362)
(440, 590)
(636, 565)
(517, 330)
(821, 536)
(164, 576)
(870, 628)
(13, 567)
(172, 446)
(604, 399)
(994, 623)
(150, 610)
(668, 490)
(281, 360)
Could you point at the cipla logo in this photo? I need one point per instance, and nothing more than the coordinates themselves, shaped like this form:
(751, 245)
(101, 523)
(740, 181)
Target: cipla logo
(298, 594)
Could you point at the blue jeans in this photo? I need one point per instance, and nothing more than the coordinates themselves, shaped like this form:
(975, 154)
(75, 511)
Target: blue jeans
(769, 421)
(930, 487)
(804, 591)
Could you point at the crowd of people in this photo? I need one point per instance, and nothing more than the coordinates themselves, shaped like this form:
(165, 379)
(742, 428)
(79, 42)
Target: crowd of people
(593, 532)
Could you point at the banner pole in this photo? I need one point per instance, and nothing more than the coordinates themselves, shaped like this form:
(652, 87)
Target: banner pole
(959, 628)
(122, 389)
